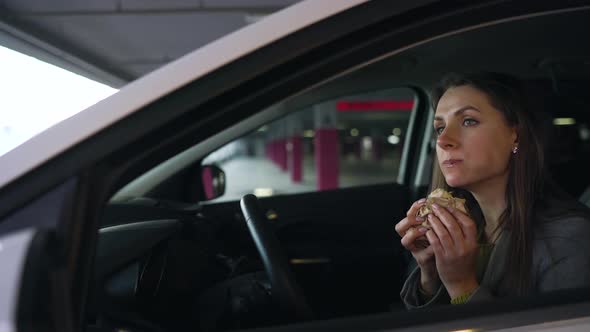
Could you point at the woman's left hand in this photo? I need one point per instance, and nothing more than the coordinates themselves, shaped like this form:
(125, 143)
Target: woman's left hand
(453, 238)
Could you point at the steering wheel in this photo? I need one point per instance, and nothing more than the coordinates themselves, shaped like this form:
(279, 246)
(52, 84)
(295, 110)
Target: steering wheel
(285, 290)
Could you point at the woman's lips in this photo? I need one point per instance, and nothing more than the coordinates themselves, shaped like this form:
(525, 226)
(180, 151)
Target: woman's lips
(451, 162)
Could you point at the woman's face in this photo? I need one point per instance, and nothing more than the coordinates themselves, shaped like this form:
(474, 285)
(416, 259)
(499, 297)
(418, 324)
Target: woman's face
(474, 141)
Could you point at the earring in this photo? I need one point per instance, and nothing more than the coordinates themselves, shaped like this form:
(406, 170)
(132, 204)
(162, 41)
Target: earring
(515, 149)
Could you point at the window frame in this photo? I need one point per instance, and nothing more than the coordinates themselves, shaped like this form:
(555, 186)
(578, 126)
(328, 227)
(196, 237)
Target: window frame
(407, 146)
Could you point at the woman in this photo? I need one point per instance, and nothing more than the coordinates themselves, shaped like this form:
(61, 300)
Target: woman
(521, 235)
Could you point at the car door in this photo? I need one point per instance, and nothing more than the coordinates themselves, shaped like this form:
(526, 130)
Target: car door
(13, 256)
(35, 283)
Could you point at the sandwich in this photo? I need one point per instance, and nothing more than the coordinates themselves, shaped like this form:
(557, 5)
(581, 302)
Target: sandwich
(442, 198)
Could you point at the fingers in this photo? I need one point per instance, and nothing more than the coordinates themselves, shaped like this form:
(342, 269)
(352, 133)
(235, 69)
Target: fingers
(411, 219)
(450, 222)
(467, 224)
(409, 239)
(444, 237)
(407, 223)
(424, 256)
(415, 207)
(453, 232)
(429, 251)
(435, 244)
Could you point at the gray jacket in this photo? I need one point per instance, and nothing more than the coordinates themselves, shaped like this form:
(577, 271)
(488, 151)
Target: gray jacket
(561, 260)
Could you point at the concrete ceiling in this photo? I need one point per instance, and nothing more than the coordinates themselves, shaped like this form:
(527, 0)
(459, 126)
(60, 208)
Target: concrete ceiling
(117, 41)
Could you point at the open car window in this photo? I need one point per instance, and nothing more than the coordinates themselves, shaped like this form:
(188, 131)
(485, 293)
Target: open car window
(352, 140)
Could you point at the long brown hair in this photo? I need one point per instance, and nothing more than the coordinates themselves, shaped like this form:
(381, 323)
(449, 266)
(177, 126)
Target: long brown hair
(526, 169)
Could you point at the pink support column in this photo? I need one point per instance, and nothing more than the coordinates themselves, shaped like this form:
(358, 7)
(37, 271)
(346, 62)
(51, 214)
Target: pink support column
(207, 179)
(271, 151)
(326, 158)
(275, 151)
(296, 159)
(282, 153)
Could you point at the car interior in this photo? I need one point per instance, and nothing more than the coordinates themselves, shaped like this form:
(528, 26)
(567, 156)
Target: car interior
(172, 256)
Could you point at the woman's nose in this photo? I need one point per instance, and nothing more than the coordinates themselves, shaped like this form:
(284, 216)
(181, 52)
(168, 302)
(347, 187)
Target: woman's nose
(446, 139)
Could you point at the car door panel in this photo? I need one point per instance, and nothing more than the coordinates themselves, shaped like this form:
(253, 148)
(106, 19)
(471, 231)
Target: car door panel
(341, 243)
(348, 236)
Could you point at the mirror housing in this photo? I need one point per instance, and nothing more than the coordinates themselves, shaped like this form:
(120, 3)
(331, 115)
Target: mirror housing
(213, 180)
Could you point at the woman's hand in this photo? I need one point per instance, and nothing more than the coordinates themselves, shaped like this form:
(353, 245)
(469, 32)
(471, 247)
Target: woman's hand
(413, 239)
(453, 238)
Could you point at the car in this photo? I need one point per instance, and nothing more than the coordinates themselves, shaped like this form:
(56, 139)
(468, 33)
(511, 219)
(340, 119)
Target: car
(138, 214)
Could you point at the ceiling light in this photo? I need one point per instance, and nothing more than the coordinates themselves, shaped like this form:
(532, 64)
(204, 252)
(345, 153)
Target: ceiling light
(393, 139)
(564, 121)
(263, 192)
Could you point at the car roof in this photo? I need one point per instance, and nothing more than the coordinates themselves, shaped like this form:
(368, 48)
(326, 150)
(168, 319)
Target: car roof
(163, 81)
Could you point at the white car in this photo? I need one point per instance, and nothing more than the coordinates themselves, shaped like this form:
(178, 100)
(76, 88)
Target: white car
(127, 216)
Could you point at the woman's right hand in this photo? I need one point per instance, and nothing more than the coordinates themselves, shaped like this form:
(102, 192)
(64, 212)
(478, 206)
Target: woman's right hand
(414, 240)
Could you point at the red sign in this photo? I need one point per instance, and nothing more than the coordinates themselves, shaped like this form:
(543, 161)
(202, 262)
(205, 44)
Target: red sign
(374, 105)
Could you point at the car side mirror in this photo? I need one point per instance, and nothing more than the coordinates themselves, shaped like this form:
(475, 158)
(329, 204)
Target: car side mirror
(213, 179)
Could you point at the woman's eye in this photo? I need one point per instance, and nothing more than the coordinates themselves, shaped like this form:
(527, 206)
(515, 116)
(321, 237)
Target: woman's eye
(469, 122)
(439, 130)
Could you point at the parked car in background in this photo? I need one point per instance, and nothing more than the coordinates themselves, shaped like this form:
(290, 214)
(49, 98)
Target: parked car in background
(127, 216)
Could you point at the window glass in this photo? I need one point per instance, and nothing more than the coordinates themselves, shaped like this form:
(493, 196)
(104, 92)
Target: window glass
(351, 140)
